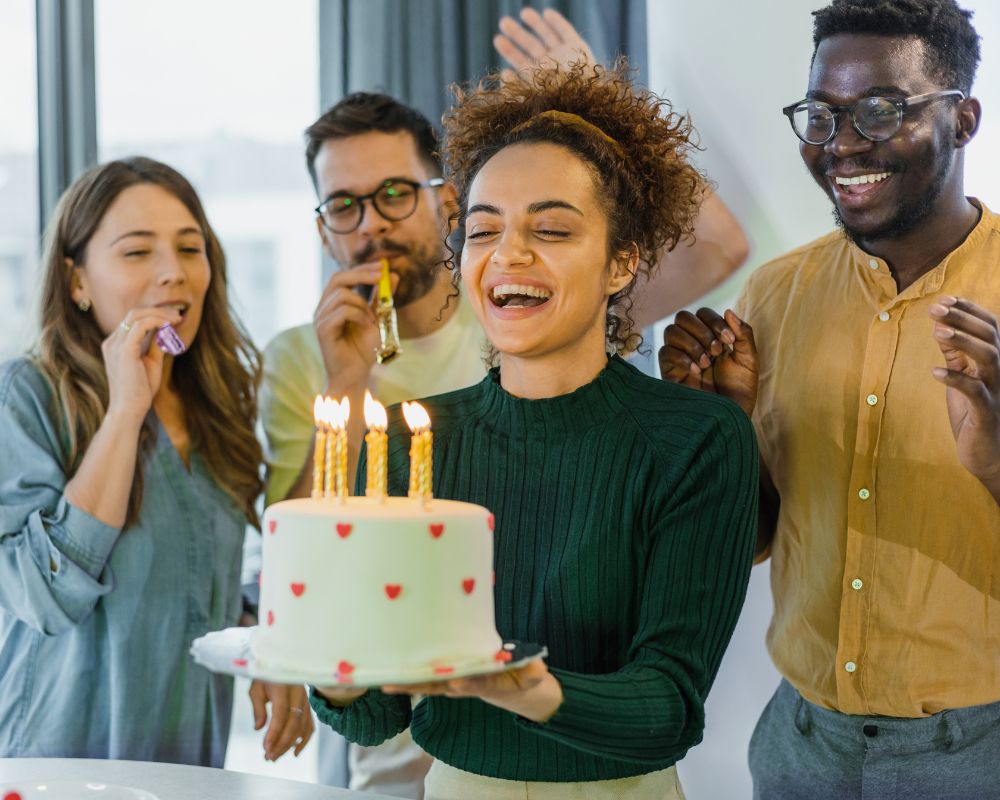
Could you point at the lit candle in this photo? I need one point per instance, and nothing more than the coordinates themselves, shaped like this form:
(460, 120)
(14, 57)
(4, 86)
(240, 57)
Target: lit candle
(319, 448)
(341, 412)
(377, 441)
(330, 409)
(421, 449)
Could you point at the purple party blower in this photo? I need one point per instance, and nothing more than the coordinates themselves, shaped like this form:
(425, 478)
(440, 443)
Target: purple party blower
(169, 341)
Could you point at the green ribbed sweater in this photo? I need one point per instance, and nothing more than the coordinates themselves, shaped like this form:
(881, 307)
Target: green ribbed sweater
(625, 526)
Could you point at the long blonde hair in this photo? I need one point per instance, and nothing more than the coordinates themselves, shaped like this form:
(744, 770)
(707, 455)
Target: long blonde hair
(217, 379)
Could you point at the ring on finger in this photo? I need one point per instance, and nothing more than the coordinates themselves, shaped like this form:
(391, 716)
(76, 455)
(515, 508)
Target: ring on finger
(125, 326)
(295, 710)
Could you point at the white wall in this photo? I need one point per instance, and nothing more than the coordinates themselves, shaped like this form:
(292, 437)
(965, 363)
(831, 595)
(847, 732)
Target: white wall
(734, 65)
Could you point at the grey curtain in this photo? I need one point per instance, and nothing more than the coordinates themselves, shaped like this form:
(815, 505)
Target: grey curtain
(414, 49)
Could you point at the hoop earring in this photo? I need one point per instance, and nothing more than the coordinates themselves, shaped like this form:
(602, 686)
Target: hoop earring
(84, 305)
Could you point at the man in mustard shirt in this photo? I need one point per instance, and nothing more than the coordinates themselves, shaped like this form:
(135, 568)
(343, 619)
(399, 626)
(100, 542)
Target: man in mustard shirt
(869, 362)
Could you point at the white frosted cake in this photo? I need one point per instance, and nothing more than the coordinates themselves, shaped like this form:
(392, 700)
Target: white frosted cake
(368, 591)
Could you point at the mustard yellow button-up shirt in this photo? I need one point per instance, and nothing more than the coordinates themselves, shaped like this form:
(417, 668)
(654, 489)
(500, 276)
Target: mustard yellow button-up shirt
(886, 561)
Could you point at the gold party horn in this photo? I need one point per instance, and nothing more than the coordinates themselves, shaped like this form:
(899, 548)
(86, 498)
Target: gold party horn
(385, 314)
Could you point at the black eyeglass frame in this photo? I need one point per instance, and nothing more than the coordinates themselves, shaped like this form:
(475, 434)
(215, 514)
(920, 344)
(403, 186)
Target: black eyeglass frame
(433, 183)
(837, 111)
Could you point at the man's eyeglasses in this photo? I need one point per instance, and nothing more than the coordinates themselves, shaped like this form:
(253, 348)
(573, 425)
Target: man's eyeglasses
(875, 118)
(395, 200)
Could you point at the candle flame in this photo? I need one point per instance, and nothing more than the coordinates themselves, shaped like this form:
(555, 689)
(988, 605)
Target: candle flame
(318, 411)
(330, 415)
(375, 416)
(337, 413)
(416, 417)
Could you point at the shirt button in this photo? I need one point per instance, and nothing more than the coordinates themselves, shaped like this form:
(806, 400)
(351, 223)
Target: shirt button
(850, 666)
(856, 584)
(864, 494)
(884, 316)
(872, 263)
(872, 400)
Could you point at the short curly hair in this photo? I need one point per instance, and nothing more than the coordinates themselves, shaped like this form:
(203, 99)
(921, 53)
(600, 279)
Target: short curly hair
(637, 148)
(952, 44)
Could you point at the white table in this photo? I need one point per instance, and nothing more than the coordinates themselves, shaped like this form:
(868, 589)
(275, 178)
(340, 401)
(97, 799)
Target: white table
(163, 781)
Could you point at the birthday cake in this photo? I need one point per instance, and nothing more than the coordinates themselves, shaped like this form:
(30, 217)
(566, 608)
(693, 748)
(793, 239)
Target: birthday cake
(372, 590)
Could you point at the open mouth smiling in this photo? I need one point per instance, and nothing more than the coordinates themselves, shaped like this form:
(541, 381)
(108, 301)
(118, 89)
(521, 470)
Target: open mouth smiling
(517, 295)
(859, 184)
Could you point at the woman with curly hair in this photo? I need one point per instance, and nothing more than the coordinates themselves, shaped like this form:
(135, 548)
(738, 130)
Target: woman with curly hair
(625, 506)
(127, 477)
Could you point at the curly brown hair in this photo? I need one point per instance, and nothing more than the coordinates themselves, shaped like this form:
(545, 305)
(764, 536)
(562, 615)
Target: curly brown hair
(637, 147)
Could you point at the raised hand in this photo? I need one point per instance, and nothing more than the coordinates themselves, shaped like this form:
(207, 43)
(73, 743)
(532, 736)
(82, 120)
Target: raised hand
(970, 343)
(346, 327)
(134, 363)
(712, 353)
(547, 39)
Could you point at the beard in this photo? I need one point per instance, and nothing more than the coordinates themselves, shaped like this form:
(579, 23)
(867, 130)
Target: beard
(913, 212)
(418, 276)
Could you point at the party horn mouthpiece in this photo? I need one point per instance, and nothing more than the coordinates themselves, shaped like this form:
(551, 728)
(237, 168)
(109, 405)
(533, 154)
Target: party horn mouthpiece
(169, 341)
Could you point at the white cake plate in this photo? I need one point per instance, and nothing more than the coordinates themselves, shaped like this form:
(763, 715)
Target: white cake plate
(228, 651)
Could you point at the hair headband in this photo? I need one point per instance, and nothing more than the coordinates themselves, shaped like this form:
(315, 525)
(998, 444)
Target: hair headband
(571, 120)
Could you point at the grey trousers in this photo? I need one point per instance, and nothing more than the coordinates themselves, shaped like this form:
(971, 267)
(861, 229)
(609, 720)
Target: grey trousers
(799, 750)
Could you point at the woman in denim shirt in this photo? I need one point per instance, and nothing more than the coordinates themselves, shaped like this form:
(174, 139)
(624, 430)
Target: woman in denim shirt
(127, 476)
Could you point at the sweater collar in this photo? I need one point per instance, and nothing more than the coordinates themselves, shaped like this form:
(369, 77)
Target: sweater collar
(595, 403)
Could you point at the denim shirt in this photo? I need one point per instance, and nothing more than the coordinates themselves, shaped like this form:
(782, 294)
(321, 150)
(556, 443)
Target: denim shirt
(95, 623)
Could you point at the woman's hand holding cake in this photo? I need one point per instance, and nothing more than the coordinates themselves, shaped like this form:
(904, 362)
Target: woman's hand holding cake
(530, 691)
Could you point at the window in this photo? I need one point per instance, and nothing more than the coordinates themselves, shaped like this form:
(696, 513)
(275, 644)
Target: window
(222, 92)
(18, 178)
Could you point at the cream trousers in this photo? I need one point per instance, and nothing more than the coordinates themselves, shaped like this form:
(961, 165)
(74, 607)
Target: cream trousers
(447, 783)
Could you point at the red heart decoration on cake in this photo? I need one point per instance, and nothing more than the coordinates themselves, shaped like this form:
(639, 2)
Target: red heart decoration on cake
(437, 528)
(239, 662)
(344, 668)
(503, 656)
(491, 521)
(443, 670)
(270, 617)
(344, 529)
(298, 589)
(392, 590)
(12, 796)
(272, 525)
(469, 584)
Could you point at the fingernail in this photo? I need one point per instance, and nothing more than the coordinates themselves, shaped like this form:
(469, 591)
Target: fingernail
(948, 300)
(728, 337)
(939, 310)
(944, 333)
(705, 362)
(695, 368)
(939, 372)
(715, 348)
